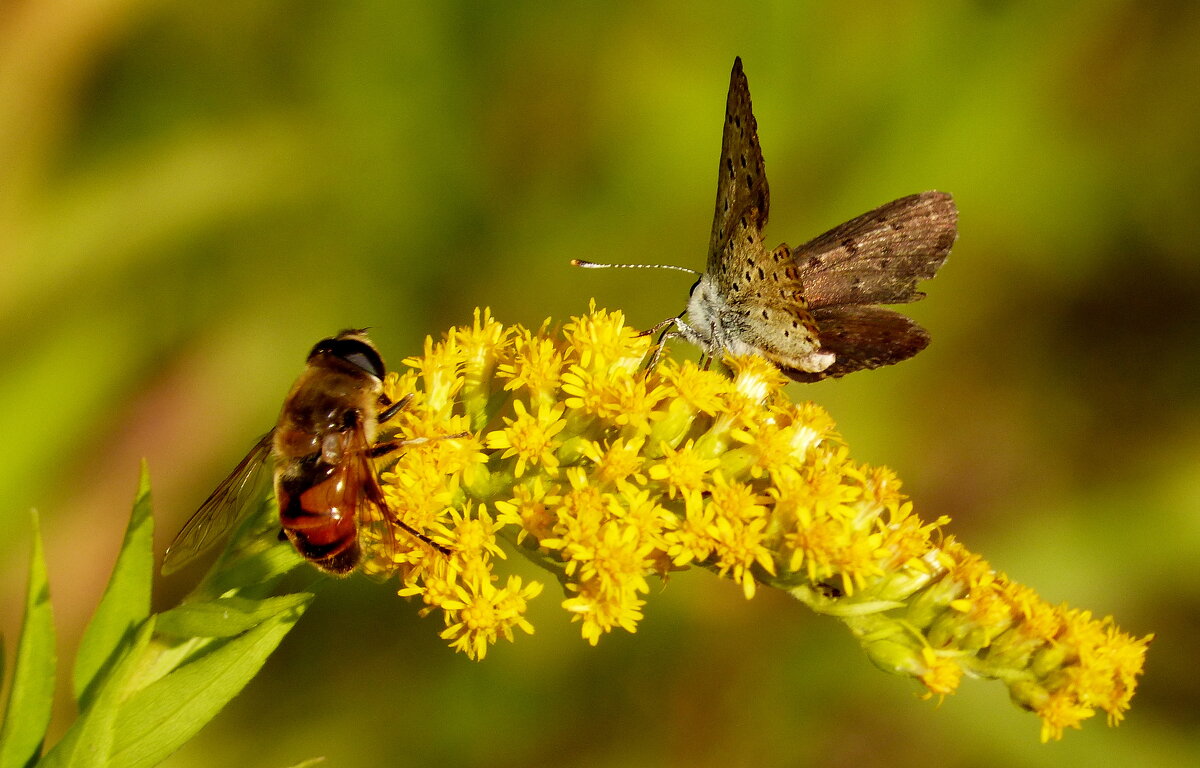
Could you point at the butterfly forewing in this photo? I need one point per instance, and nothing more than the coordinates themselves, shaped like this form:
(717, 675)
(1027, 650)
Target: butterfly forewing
(220, 510)
(877, 258)
(743, 199)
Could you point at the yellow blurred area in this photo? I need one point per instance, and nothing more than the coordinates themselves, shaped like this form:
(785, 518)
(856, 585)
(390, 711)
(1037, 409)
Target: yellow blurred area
(192, 194)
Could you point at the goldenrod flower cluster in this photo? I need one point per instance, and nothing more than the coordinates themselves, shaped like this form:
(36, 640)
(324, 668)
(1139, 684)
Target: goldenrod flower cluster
(607, 475)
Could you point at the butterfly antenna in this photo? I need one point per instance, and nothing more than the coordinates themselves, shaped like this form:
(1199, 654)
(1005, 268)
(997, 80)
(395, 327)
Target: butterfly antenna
(597, 265)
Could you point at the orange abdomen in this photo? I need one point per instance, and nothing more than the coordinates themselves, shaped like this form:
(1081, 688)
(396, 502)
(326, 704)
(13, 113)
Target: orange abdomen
(318, 520)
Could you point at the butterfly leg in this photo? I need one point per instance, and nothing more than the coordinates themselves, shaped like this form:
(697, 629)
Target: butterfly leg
(664, 332)
(658, 327)
(659, 345)
(706, 345)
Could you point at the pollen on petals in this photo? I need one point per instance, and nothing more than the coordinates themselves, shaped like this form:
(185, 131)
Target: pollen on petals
(562, 446)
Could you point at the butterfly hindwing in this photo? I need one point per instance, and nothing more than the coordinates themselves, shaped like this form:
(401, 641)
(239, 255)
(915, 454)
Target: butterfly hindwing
(863, 337)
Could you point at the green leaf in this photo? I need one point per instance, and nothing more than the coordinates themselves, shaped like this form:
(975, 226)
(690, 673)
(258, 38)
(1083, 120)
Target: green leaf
(89, 742)
(225, 617)
(252, 573)
(157, 720)
(126, 601)
(28, 712)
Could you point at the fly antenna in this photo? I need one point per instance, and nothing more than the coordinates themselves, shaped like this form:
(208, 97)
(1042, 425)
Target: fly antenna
(597, 265)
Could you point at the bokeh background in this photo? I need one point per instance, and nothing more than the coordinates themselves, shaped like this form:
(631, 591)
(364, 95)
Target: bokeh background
(191, 194)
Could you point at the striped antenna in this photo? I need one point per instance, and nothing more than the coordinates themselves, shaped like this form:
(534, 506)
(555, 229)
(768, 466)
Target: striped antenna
(597, 265)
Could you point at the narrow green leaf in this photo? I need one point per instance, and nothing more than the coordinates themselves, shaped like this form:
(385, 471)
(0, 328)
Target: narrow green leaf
(226, 617)
(157, 720)
(89, 742)
(28, 712)
(126, 601)
(308, 763)
(253, 573)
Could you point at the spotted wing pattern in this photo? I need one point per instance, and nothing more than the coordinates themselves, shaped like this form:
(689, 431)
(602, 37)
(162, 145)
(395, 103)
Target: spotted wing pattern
(762, 298)
(863, 337)
(743, 199)
(794, 306)
(877, 258)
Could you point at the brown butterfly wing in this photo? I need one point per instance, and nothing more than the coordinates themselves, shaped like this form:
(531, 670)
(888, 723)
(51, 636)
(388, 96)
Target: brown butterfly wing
(743, 199)
(863, 337)
(763, 302)
(877, 258)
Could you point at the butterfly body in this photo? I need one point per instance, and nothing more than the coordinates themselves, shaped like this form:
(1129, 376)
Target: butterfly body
(721, 325)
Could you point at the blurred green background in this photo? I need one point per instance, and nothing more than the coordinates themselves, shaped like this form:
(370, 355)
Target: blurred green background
(191, 194)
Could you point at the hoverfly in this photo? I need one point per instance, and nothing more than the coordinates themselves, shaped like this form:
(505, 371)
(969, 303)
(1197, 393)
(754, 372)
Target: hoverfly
(323, 446)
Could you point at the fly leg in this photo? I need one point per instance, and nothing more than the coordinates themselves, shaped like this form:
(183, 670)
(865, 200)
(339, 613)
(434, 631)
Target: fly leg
(390, 409)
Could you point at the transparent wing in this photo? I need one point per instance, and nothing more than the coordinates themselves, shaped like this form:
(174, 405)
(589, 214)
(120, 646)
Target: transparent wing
(863, 337)
(220, 510)
(364, 494)
(377, 512)
(743, 199)
(878, 257)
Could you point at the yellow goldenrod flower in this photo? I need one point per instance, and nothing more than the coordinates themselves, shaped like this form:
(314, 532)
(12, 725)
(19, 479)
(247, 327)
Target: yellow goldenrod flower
(536, 367)
(530, 437)
(605, 474)
(682, 470)
(482, 614)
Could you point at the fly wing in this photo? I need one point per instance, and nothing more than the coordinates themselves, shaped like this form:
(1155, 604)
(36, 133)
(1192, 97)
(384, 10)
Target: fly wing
(220, 510)
(862, 338)
(743, 199)
(878, 257)
(366, 496)
(382, 515)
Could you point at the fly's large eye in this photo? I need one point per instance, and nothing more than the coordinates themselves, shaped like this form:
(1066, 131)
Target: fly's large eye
(368, 360)
(322, 346)
(355, 351)
(359, 354)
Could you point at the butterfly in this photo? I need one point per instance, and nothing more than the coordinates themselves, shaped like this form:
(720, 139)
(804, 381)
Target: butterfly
(811, 310)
